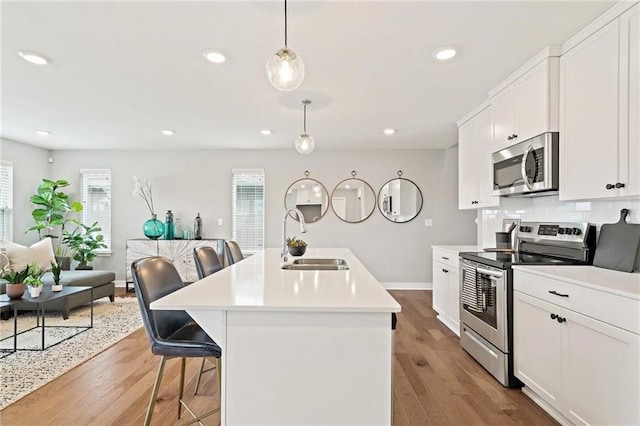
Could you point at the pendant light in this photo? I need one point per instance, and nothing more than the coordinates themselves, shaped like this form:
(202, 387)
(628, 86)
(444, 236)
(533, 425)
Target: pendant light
(305, 143)
(285, 68)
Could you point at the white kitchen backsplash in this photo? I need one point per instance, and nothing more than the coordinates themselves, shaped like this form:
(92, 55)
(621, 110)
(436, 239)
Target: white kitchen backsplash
(550, 209)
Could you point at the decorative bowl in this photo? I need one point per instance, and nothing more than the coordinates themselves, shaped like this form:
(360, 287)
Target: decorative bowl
(297, 251)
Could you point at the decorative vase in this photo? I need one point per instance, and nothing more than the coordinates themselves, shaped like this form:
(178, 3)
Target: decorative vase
(35, 291)
(297, 251)
(153, 228)
(57, 287)
(15, 291)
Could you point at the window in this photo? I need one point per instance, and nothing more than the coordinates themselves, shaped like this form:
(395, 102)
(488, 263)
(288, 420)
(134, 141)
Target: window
(248, 209)
(95, 190)
(6, 200)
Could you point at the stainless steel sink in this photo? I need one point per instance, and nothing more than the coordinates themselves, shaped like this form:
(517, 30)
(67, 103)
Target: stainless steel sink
(319, 262)
(315, 267)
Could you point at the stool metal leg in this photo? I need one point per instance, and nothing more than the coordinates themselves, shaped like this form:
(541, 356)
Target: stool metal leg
(183, 362)
(199, 376)
(154, 393)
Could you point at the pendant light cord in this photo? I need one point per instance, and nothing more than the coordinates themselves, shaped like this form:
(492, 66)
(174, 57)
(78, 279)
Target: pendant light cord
(304, 125)
(285, 23)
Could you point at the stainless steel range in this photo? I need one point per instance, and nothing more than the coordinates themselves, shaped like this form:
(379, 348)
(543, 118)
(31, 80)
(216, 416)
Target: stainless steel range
(486, 288)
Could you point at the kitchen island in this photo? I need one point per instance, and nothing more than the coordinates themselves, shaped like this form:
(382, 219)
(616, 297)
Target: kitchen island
(298, 347)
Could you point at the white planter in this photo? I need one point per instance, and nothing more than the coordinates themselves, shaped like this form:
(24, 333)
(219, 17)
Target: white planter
(35, 291)
(56, 287)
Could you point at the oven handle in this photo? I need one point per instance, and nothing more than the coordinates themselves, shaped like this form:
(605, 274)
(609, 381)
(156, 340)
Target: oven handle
(496, 274)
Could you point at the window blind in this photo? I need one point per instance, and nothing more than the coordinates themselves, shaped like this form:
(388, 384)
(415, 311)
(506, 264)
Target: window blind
(248, 209)
(6, 200)
(95, 190)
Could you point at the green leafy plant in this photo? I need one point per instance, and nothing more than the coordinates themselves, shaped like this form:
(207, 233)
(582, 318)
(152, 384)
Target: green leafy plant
(32, 281)
(16, 277)
(84, 242)
(293, 242)
(56, 270)
(52, 213)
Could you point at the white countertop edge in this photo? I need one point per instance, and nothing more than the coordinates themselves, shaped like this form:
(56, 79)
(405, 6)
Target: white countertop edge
(599, 274)
(346, 309)
(455, 249)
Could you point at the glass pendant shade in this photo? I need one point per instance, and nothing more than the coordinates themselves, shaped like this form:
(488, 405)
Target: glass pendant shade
(305, 143)
(285, 69)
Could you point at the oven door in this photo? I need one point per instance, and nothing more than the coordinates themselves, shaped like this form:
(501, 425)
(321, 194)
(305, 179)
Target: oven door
(487, 313)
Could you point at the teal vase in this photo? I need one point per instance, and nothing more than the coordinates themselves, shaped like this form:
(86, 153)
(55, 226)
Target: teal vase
(153, 228)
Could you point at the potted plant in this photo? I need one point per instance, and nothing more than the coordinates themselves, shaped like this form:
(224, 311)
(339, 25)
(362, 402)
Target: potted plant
(296, 247)
(33, 280)
(56, 270)
(15, 282)
(84, 242)
(52, 214)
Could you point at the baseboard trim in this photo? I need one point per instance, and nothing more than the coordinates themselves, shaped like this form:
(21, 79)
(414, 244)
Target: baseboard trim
(407, 286)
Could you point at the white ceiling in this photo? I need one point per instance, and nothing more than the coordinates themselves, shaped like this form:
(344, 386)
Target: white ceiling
(123, 71)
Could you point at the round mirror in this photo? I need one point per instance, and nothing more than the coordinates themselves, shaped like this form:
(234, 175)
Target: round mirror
(400, 200)
(310, 197)
(353, 200)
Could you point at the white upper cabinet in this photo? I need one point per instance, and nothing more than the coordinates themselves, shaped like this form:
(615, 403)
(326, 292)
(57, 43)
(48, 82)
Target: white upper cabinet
(475, 171)
(599, 119)
(526, 104)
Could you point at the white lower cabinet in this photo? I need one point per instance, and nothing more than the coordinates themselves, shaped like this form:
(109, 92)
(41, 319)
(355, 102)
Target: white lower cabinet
(586, 371)
(446, 289)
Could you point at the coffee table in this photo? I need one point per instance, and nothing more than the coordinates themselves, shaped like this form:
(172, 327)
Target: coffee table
(47, 295)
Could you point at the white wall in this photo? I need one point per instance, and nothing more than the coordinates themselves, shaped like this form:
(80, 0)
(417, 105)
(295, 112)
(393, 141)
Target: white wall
(30, 166)
(188, 182)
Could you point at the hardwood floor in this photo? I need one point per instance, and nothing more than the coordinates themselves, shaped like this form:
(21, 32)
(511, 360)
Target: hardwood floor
(436, 383)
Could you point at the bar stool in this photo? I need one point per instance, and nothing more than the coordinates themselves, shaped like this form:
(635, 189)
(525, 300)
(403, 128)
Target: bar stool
(234, 254)
(172, 334)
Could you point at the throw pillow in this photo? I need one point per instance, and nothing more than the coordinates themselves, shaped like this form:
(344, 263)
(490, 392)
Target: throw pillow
(20, 256)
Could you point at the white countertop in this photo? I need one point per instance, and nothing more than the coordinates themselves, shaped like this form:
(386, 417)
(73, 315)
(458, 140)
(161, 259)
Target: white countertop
(258, 284)
(621, 283)
(458, 249)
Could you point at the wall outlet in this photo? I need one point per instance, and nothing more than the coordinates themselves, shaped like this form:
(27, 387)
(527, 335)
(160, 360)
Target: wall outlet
(219, 221)
(428, 222)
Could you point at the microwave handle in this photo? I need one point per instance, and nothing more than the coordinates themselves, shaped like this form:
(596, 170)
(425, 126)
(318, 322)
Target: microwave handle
(523, 168)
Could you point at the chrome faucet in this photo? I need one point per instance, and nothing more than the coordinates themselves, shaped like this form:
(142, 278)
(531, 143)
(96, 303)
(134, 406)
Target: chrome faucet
(303, 229)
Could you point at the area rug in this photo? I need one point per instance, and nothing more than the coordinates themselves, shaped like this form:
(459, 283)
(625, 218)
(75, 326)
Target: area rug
(111, 323)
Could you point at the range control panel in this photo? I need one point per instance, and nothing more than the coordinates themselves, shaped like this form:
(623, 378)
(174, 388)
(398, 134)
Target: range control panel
(549, 231)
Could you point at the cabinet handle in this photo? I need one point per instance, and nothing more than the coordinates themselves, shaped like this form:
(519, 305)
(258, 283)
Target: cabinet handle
(553, 316)
(445, 258)
(445, 271)
(514, 136)
(561, 320)
(558, 294)
(619, 185)
(509, 138)
(610, 186)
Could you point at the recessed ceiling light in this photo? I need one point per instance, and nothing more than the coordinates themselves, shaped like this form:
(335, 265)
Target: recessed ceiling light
(34, 58)
(167, 132)
(214, 56)
(266, 132)
(43, 132)
(445, 53)
(389, 131)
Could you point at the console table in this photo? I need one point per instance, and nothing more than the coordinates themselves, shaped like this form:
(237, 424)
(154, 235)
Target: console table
(180, 252)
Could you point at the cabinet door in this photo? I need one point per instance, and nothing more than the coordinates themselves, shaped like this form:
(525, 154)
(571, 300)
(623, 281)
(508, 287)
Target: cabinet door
(440, 288)
(174, 250)
(138, 249)
(503, 112)
(601, 372)
(537, 347)
(483, 141)
(467, 185)
(589, 116)
(453, 307)
(532, 101)
(629, 172)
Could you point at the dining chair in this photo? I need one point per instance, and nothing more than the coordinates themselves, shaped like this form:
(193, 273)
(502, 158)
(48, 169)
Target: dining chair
(172, 334)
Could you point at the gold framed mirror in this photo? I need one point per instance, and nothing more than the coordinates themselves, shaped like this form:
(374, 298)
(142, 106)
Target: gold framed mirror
(309, 196)
(400, 200)
(353, 200)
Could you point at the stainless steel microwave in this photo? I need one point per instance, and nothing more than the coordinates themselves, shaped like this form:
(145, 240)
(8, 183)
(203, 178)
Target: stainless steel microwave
(529, 168)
